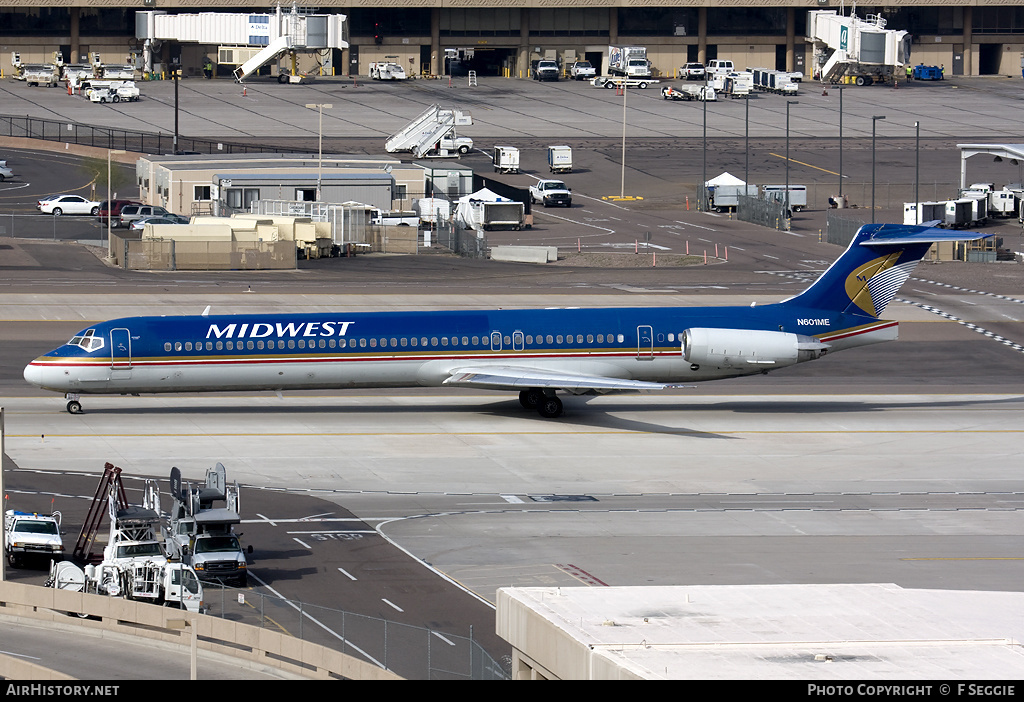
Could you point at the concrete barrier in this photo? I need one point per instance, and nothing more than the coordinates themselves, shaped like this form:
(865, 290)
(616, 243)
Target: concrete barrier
(525, 254)
(146, 621)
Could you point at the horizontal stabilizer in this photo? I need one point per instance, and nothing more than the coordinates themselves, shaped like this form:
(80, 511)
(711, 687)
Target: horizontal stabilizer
(905, 235)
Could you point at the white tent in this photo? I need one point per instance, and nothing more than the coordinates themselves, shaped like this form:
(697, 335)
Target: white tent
(469, 212)
(724, 179)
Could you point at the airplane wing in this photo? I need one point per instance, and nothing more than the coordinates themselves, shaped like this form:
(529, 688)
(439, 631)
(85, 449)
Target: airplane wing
(521, 378)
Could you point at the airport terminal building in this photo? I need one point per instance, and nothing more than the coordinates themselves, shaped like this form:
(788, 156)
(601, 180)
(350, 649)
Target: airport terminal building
(501, 38)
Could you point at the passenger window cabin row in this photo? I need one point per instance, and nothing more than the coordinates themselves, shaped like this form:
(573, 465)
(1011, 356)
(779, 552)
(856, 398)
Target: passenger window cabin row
(467, 342)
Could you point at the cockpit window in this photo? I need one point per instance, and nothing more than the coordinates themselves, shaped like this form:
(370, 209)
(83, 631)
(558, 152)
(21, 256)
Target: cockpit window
(87, 341)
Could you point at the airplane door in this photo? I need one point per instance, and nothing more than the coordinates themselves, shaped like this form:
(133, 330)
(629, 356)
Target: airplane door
(120, 349)
(517, 341)
(495, 341)
(644, 343)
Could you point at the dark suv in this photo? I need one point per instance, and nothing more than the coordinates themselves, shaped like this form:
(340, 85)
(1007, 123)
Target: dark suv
(114, 210)
(130, 213)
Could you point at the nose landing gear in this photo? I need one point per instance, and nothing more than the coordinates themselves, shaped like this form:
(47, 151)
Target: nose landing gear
(73, 406)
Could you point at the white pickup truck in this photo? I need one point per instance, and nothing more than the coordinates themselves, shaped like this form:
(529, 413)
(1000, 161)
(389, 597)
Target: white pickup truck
(27, 534)
(551, 192)
(582, 70)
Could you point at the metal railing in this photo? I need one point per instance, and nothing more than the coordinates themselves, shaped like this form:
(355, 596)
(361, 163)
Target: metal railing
(413, 652)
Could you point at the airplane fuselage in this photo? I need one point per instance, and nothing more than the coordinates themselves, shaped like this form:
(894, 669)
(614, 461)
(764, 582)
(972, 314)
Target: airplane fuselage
(403, 349)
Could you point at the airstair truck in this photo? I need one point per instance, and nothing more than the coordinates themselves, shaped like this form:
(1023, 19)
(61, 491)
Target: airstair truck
(432, 132)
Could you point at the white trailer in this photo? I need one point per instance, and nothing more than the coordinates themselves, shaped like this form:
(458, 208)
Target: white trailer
(506, 159)
(797, 195)
(689, 92)
(560, 159)
(921, 212)
(605, 82)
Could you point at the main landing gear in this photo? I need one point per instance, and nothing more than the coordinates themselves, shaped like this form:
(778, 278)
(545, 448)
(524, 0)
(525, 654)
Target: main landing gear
(546, 403)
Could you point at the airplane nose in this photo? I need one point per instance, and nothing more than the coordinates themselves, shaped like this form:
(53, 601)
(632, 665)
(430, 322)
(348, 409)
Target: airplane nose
(34, 375)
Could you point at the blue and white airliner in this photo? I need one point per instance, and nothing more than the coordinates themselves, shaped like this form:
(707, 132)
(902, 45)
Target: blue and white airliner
(537, 352)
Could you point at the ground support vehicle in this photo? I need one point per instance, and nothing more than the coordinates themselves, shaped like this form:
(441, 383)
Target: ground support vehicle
(432, 133)
(168, 584)
(551, 192)
(200, 531)
(134, 565)
(102, 95)
(689, 92)
(31, 535)
(629, 61)
(506, 159)
(738, 85)
(560, 159)
(395, 219)
(582, 70)
(772, 81)
(387, 70)
(127, 92)
(922, 72)
(603, 82)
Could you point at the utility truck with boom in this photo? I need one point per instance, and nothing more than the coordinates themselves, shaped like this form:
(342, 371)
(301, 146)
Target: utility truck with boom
(201, 529)
(134, 565)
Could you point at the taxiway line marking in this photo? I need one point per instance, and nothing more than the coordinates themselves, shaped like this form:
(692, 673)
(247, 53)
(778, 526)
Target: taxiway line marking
(801, 163)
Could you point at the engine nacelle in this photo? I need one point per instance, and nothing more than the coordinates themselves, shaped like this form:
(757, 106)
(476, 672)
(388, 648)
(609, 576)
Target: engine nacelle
(746, 349)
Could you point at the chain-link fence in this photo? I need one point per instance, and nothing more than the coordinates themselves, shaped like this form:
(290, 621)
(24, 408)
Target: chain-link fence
(769, 213)
(414, 653)
(129, 140)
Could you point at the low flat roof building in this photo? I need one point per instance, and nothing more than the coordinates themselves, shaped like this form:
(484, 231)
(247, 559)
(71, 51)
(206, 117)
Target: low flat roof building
(781, 632)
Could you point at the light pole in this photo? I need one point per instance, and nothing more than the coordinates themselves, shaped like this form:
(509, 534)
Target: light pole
(622, 178)
(319, 107)
(110, 213)
(917, 173)
(788, 103)
(702, 200)
(874, 121)
(840, 88)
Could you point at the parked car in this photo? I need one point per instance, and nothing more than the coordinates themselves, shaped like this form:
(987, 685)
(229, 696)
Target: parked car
(694, 71)
(130, 213)
(114, 209)
(170, 218)
(5, 171)
(546, 70)
(68, 204)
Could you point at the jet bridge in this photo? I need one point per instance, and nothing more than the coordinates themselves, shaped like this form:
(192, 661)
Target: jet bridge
(263, 37)
(862, 50)
(425, 132)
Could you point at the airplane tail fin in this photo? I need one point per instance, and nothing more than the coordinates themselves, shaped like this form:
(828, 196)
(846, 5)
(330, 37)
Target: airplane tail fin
(881, 257)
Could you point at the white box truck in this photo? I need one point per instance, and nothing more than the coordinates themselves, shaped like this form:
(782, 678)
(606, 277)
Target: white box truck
(629, 61)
